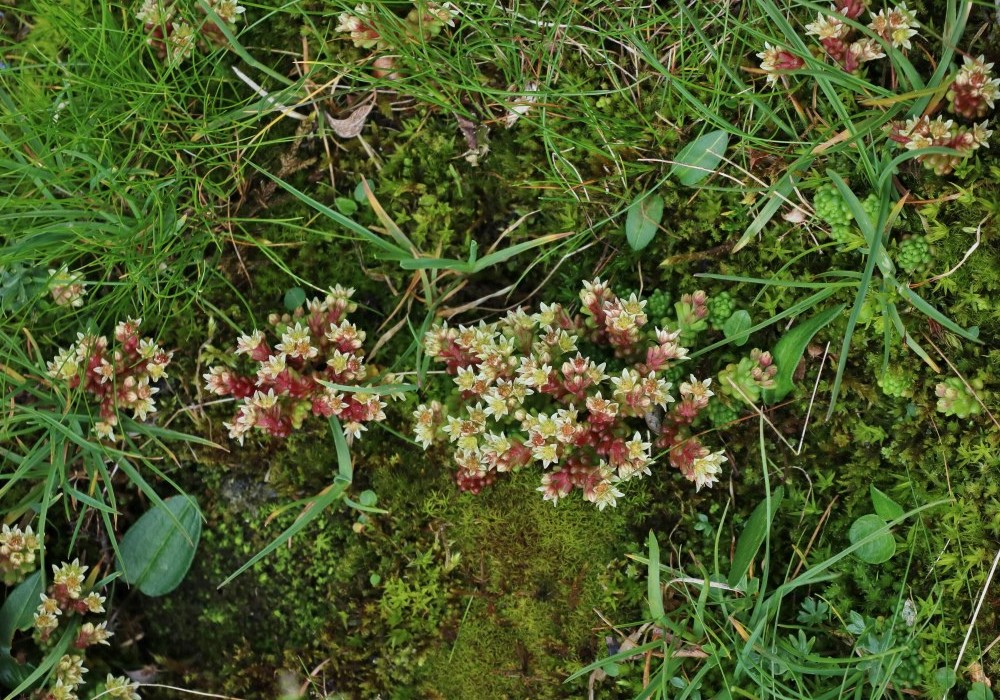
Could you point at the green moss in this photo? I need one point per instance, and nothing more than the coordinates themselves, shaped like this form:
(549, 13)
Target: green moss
(539, 573)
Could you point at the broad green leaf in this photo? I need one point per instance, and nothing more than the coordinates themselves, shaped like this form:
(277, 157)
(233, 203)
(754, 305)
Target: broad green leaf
(12, 674)
(643, 220)
(700, 158)
(945, 678)
(882, 545)
(653, 592)
(32, 675)
(158, 549)
(980, 691)
(18, 610)
(885, 507)
(753, 536)
(789, 350)
(294, 298)
(736, 326)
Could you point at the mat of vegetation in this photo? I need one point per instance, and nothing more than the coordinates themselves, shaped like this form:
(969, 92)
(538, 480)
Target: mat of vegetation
(499, 349)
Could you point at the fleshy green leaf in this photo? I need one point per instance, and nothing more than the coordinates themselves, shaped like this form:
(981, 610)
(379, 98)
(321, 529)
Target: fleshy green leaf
(294, 298)
(880, 548)
(158, 549)
(753, 536)
(700, 158)
(790, 348)
(945, 678)
(18, 610)
(736, 326)
(643, 220)
(885, 507)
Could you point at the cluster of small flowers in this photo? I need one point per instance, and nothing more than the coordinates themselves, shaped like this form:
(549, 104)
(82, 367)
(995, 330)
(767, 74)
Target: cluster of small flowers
(66, 288)
(120, 379)
(893, 27)
(318, 344)
(533, 397)
(175, 39)
(68, 677)
(425, 20)
(971, 95)
(66, 598)
(18, 551)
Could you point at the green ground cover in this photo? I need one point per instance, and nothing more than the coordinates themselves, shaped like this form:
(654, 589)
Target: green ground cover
(206, 164)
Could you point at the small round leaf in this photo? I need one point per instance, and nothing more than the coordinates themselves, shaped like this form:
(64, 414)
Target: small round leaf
(878, 550)
(346, 206)
(294, 298)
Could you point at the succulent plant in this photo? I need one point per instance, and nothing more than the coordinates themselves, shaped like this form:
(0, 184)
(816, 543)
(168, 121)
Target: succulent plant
(720, 308)
(914, 254)
(957, 399)
(896, 381)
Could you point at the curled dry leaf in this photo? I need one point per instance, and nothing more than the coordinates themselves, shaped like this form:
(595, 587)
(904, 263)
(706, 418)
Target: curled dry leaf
(794, 215)
(521, 105)
(353, 124)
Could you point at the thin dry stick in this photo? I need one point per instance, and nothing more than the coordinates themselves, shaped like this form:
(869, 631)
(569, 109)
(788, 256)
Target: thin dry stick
(285, 111)
(944, 457)
(975, 615)
(180, 690)
(935, 278)
(989, 646)
(812, 539)
(760, 413)
(812, 399)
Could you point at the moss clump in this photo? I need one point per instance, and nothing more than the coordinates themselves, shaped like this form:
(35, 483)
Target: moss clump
(538, 573)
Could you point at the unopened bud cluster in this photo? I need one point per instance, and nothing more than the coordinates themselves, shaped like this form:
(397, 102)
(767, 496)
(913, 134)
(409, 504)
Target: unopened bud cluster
(285, 385)
(532, 397)
(118, 378)
(749, 377)
(174, 39)
(956, 398)
(18, 553)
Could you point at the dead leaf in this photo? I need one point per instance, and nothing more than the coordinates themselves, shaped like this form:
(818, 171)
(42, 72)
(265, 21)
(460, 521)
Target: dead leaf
(353, 125)
(521, 105)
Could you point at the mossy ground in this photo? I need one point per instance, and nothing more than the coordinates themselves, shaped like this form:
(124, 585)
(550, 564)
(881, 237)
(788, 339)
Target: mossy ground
(496, 596)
